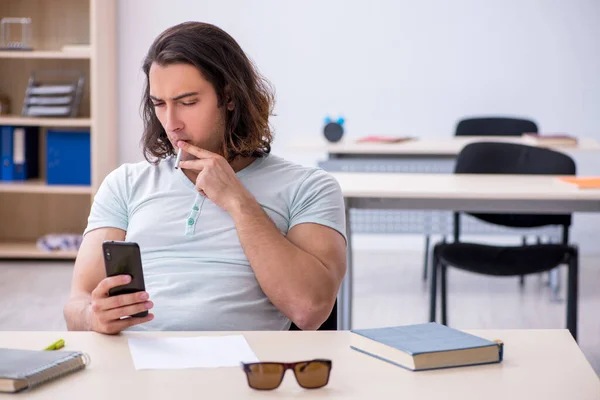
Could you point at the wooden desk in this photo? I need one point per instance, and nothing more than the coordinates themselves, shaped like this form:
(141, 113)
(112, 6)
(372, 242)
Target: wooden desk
(483, 193)
(538, 364)
(435, 147)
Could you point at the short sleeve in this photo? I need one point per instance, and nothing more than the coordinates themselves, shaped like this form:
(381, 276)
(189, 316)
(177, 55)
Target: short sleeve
(319, 200)
(109, 209)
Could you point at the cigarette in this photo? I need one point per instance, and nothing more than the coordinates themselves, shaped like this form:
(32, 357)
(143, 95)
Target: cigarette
(178, 158)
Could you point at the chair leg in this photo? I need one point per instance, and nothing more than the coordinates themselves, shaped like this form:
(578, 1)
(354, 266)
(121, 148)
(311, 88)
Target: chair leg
(573, 294)
(433, 288)
(426, 261)
(522, 277)
(443, 295)
(554, 279)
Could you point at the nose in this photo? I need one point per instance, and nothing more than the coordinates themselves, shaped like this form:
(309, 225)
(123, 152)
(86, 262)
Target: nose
(173, 122)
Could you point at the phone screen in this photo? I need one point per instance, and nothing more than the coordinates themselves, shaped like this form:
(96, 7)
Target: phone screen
(124, 258)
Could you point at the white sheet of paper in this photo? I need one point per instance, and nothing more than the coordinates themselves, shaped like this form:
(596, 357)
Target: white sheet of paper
(190, 352)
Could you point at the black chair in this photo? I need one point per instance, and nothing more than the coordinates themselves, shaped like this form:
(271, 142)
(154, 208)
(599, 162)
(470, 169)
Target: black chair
(330, 323)
(509, 158)
(497, 126)
(487, 126)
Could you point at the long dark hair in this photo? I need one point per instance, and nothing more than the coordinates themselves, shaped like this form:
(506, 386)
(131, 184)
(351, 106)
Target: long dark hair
(234, 77)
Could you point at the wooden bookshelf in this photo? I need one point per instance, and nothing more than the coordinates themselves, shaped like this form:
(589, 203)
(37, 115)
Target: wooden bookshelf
(46, 122)
(32, 209)
(29, 250)
(39, 186)
(47, 54)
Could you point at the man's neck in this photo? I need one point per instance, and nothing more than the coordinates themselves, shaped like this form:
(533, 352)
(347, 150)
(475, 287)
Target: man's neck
(241, 162)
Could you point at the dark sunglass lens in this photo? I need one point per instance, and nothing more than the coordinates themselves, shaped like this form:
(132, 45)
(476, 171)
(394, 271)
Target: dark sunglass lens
(312, 374)
(264, 376)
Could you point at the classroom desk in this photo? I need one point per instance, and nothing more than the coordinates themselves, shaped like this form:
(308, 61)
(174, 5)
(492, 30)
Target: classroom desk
(447, 147)
(429, 155)
(538, 364)
(464, 192)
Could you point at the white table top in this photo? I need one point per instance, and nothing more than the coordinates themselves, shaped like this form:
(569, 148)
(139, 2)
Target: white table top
(460, 186)
(466, 192)
(450, 146)
(538, 364)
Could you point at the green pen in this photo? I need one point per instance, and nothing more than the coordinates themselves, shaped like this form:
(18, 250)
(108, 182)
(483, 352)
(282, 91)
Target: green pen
(59, 344)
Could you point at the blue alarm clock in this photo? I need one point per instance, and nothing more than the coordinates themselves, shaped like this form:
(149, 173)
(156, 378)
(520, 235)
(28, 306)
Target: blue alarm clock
(333, 130)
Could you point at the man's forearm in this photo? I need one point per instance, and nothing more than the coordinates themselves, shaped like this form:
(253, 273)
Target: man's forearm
(296, 282)
(76, 313)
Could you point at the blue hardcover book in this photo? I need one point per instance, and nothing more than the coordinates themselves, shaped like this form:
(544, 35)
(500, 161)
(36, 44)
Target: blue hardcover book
(426, 346)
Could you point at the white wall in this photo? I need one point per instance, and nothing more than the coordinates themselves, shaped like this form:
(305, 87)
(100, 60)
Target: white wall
(393, 67)
(411, 67)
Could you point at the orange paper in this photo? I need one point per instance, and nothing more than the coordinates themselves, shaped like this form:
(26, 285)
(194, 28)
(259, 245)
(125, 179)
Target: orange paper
(588, 182)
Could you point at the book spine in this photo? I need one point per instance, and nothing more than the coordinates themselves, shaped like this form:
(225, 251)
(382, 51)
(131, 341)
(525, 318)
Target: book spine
(69, 364)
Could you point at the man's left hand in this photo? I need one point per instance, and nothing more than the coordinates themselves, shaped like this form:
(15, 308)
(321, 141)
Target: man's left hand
(216, 179)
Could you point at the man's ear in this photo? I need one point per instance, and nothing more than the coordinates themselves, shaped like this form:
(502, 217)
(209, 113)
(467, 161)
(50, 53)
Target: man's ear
(228, 101)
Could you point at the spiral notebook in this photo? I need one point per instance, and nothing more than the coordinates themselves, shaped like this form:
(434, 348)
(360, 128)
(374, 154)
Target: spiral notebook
(25, 369)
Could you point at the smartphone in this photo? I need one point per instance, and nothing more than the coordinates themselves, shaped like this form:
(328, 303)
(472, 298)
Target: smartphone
(124, 258)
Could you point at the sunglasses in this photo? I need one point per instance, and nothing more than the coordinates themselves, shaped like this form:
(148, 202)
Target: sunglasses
(310, 374)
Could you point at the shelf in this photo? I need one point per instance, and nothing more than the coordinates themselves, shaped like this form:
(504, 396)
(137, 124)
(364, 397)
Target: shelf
(39, 186)
(29, 250)
(43, 54)
(79, 35)
(48, 122)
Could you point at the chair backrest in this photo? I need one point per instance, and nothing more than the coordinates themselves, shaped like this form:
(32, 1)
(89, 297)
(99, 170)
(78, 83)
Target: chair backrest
(330, 323)
(497, 126)
(513, 158)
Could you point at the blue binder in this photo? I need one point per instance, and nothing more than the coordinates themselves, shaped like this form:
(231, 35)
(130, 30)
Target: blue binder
(68, 157)
(20, 153)
(6, 140)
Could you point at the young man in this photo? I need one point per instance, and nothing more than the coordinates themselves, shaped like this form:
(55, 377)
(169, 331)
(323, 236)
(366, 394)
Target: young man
(237, 238)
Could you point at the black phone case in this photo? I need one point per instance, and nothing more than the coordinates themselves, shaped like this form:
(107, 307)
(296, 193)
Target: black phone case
(124, 258)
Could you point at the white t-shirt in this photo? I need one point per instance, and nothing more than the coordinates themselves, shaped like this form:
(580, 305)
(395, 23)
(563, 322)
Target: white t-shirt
(195, 269)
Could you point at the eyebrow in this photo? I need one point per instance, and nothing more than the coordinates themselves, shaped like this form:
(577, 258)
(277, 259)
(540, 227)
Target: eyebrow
(179, 97)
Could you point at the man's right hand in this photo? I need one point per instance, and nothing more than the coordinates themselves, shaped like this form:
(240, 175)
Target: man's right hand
(106, 311)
